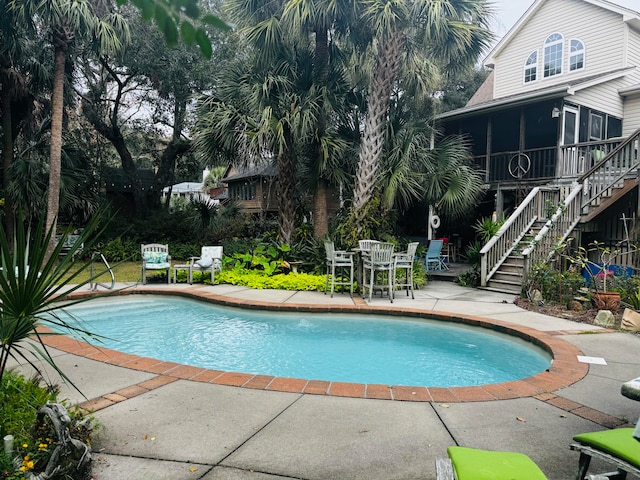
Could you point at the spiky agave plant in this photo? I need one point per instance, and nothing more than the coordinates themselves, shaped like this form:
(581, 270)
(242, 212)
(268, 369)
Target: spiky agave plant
(34, 288)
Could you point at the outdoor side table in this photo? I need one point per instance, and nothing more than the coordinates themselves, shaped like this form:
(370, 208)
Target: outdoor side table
(182, 267)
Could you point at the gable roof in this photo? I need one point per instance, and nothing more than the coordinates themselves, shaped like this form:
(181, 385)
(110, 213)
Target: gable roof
(252, 171)
(535, 96)
(629, 16)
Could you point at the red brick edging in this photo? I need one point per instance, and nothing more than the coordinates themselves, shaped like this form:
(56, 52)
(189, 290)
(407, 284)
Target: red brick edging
(564, 371)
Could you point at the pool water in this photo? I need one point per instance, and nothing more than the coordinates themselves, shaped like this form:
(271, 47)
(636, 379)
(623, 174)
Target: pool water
(333, 347)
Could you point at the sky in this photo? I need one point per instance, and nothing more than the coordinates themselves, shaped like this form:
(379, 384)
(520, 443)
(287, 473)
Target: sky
(509, 11)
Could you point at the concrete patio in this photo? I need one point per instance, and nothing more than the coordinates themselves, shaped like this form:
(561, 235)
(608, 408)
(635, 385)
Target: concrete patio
(177, 424)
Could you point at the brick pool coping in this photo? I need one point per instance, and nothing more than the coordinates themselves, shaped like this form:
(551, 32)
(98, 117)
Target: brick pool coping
(564, 370)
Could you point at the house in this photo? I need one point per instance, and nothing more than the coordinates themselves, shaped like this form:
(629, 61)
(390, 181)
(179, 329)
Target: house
(253, 187)
(555, 131)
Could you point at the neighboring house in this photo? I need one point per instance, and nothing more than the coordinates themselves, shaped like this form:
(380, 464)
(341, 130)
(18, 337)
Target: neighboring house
(557, 123)
(253, 187)
(187, 190)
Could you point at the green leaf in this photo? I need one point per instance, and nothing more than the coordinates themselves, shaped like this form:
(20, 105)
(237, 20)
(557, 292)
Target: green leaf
(167, 25)
(204, 43)
(146, 7)
(188, 33)
(216, 22)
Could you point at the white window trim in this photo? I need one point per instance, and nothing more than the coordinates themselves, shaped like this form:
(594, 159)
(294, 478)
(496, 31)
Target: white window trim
(545, 45)
(592, 117)
(571, 54)
(529, 66)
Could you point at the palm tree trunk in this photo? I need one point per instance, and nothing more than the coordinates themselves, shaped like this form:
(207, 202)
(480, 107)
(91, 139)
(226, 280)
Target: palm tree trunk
(320, 215)
(55, 151)
(321, 67)
(372, 145)
(7, 157)
(286, 196)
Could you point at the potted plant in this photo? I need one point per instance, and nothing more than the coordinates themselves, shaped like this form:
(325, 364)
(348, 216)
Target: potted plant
(601, 272)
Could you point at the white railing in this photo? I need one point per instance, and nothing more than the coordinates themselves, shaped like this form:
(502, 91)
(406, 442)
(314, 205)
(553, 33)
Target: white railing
(610, 173)
(517, 226)
(555, 231)
(593, 182)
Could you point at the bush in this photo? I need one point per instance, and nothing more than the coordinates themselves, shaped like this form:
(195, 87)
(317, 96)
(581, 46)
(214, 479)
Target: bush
(555, 286)
(20, 399)
(34, 442)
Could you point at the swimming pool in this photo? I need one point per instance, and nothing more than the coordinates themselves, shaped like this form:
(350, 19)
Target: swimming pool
(338, 348)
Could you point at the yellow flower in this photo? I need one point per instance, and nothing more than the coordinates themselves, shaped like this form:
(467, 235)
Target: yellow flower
(42, 446)
(25, 445)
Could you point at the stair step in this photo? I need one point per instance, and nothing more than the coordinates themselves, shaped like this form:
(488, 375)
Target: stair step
(505, 286)
(499, 290)
(511, 268)
(515, 277)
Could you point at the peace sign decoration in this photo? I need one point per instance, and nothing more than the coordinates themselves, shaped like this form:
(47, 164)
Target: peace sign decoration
(519, 165)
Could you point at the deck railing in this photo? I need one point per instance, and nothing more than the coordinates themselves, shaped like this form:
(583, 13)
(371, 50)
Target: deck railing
(610, 163)
(517, 226)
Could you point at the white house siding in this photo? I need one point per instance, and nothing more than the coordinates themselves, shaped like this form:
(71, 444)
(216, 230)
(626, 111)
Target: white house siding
(631, 121)
(601, 31)
(603, 97)
(633, 55)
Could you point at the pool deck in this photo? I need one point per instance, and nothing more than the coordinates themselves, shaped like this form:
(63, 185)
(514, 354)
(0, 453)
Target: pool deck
(168, 421)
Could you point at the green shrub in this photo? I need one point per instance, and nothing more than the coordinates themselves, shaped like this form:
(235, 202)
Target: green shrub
(20, 399)
(260, 280)
(34, 442)
(555, 286)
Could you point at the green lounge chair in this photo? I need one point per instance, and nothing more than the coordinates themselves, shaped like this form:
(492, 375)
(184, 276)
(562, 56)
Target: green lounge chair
(475, 464)
(617, 447)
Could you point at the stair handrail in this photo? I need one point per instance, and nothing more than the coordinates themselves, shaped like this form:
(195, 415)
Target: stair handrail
(567, 216)
(498, 248)
(634, 136)
(555, 231)
(611, 170)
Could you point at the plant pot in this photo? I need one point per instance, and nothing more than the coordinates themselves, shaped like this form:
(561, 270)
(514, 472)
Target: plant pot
(606, 301)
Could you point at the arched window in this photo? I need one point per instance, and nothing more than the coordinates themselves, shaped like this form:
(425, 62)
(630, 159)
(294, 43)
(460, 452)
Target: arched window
(531, 68)
(576, 55)
(553, 55)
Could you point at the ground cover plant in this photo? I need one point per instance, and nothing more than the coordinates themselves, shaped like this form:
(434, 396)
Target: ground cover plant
(33, 442)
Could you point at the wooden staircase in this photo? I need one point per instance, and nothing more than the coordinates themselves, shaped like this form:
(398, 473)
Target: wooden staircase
(529, 235)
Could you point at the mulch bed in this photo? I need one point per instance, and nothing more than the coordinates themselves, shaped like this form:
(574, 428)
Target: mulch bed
(561, 311)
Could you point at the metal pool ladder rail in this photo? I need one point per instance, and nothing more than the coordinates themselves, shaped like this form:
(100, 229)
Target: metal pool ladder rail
(94, 285)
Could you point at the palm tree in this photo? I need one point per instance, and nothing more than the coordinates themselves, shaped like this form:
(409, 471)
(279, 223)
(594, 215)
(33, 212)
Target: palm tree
(21, 78)
(325, 23)
(261, 110)
(253, 114)
(420, 164)
(68, 21)
(413, 37)
(34, 287)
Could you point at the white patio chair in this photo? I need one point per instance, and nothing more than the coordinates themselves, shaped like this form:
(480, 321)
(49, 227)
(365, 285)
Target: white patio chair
(404, 261)
(155, 256)
(336, 260)
(210, 260)
(379, 261)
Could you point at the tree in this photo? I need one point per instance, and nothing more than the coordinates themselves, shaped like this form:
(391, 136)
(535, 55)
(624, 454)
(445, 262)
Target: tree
(459, 88)
(22, 78)
(182, 18)
(414, 40)
(259, 111)
(148, 86)
(324, 23)
(68, 22)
